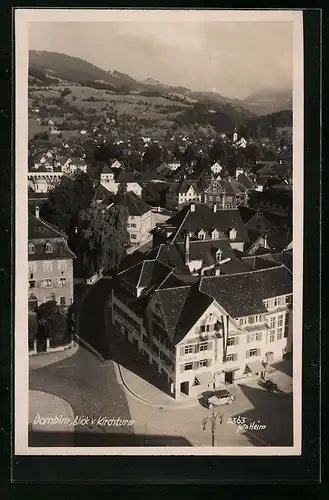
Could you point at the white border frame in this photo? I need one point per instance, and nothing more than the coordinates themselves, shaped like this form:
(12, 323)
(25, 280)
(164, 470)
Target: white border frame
(22, 18)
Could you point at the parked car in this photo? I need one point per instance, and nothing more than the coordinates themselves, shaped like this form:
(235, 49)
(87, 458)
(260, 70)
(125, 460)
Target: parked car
(218, 398)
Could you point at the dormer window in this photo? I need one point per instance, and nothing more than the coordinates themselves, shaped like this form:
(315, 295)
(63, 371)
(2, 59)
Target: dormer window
(49, 247)
(31, 249)
(215, 234)
(219, 254)
(233, 234)
(201, 235)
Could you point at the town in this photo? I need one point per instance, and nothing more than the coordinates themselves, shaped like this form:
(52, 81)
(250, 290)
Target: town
(160, 263)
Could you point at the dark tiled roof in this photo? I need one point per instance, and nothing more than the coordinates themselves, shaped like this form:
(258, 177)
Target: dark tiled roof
(101, 193)
(243, 294)
(184, 186)
(246, 181)
(246, 213)
(258, 263)
(40, 229)
(107, 170)
(205, 218)
(171, 302)
(195, 305)
(125, 176)
(172, 281)
(135, 205)
(60, 251)
(148, 274)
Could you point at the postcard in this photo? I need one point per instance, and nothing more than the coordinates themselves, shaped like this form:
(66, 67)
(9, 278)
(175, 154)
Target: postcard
(159, 232)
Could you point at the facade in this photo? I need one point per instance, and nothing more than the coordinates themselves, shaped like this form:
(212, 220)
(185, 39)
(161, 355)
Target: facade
(112, 185)
(50, 262)
(181, 193)
(72, 165)
(216, 168)
(140, 218)
(43, 181)
(226, 193)
(208, 334)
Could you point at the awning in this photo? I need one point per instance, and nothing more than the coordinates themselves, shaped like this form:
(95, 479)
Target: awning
(255, 367)
(204, 378)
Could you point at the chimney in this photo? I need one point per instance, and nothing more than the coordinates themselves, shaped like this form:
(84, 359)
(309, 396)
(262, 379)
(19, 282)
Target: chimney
(37, 212)
(265, 240)
(192, 207)
(215, 208)
(187, 248)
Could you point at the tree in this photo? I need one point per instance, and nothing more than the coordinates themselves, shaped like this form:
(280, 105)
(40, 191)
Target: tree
(190, 154)
(66, 92)
(51, 320)
(153, 156)
(122, 191)
(105, 237)
(203, 182)
(66, 199)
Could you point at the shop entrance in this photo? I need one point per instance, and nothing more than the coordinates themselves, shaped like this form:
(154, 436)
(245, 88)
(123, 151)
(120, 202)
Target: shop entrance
(229, 377)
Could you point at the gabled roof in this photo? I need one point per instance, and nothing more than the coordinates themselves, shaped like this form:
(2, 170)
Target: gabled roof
(147, 274)
(205, 218)
(243, 294)
(171, 302)
(184, 186)
(136, 206)
(106, 170)
(40, 229)
(246, 181)
(127, 177)
(246, 213)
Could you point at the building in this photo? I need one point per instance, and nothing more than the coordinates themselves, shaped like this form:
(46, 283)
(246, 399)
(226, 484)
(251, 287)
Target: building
(140, 218)
(43, 181)
(73, 165)
(182, 192)
(226, 193)
(111, 184)
(207, 334)
(202, 222)
(50, 264)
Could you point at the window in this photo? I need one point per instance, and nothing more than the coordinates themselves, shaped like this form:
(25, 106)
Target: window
(272, 335)
(203, 346)
(132, 225)
(62, 265)
(32, 267)
(219, 254)
(252, 352)
(288, 299)
(272, 322)
(31, 248)
(133, 236)
(62, 301)
(202, 363)
(267, 304)
(188, 366)
(201, 236)
(206, 328)
(31, 284)
(280, 320)
(49, 247)
(231, 341)
(132, 217)
(62, 282)
(251, 320)
(47, 282)
(279, 333)
(47, 266)
(233, 232)
(188, 349)
(242, 321)
(281, 301)
(231, 357)
(257, 336)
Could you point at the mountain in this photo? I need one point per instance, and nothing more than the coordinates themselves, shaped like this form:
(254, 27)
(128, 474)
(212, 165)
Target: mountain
(74, 69)
(268, 101)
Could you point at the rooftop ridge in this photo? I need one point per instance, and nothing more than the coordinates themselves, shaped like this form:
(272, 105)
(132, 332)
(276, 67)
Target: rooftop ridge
(248, 272)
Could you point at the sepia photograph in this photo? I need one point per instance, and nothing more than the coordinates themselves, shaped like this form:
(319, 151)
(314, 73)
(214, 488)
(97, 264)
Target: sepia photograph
(159, 202)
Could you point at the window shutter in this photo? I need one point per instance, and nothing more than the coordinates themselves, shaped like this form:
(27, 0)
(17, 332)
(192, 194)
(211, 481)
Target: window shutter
(196, 347)
(182, 351)
(210, 346)
(235, 357)
(236, 342)
(195, 365)
(208, 362)
(258, 352)
(247, 354)
(182, 368)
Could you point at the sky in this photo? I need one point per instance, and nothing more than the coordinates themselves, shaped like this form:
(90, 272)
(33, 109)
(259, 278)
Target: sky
(234, 59)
